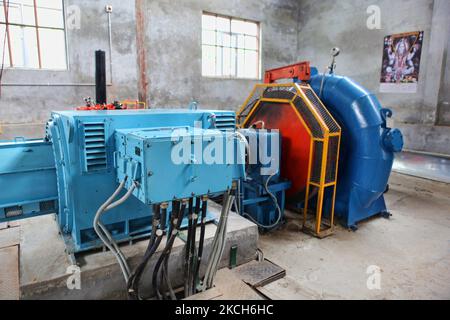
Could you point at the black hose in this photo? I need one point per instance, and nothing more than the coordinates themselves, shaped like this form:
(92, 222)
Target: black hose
(166, 252)
(201, 241)
(165, 266)
(192, 257)
(151, 243)
(187, 249)
(173, 214)
(134, 283)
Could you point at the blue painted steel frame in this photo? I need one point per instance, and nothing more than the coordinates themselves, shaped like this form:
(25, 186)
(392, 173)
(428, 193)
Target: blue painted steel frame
(27, 179)
(259, 205)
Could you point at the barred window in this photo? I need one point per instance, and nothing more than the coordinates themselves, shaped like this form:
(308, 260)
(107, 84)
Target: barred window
(230, 47)
(32, 34)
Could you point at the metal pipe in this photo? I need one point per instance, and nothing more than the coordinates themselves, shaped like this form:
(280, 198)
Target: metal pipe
(111, 63)
(110, 45)
(50, 84)
(100, 77)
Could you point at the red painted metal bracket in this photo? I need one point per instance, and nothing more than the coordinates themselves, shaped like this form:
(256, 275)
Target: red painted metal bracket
(300, 71)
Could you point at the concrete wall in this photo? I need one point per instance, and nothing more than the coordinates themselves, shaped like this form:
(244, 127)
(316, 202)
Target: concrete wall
(169, 51)
(444, 95)
(24, 109)
(164, 66)
(328, 23)
(174, 49)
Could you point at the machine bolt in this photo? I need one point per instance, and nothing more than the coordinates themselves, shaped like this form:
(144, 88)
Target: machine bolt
(164, 205)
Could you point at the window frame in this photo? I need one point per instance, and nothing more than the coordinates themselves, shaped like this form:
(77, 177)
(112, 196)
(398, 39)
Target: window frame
(7, 24)
(258, 47)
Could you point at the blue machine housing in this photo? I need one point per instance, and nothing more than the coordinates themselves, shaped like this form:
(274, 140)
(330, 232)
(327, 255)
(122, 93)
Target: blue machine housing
(175, 163)
(254, 200)
(84, 145)
(27, 179)
(368, 147)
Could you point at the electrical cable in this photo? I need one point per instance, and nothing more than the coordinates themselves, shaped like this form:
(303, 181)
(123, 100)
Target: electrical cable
(162, 275)
(165, 266)
(167, 250)
(155, 247)
(219, 243)
(192, 257)
(201, 241)
(262, 123)
(241, 137)
(103, 232)
(162, 263)
(155, 240)
(187, 249)
(277, 206)
(223, 241)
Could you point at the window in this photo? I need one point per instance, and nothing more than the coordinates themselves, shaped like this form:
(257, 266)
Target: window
(32, 34)
(230, 47)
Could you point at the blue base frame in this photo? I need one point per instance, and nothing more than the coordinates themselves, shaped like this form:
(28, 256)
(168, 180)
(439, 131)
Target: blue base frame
(259, 205)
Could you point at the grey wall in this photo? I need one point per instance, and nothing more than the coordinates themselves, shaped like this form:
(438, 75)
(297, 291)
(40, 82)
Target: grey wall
(328, 23)
(174, 49)
(171, 60)
(444, 94)
(170, 53)
(25, 109)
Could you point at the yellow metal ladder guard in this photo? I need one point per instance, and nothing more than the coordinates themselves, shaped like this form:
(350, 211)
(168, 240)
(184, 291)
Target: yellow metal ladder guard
(328, 160)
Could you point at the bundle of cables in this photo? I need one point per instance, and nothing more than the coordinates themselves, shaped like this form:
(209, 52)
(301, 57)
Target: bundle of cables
(103, 233)
(161, 282)
(219, 242)
(158, 227)
(160, 273)
(193, 258)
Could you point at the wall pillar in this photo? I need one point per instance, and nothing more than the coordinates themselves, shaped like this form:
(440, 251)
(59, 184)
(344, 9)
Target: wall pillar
(440, 33)
(141, 51)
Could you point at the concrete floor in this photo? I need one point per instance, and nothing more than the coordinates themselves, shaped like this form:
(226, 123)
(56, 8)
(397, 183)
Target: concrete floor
(412, 250)
(39, 270)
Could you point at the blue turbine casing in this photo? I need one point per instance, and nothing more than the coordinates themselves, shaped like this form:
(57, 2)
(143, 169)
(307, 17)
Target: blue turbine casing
(84, 146)
(368, 146)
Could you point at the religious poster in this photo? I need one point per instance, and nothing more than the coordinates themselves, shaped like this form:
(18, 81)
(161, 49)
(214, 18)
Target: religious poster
(401, 62)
